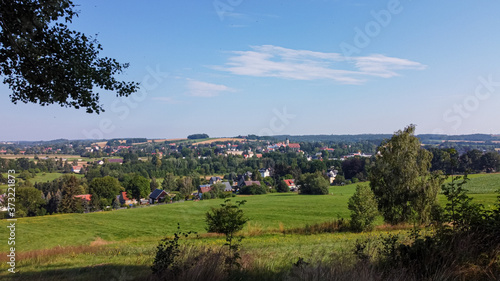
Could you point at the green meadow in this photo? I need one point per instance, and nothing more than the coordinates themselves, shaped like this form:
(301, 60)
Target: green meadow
(109, 244)
(42, 177)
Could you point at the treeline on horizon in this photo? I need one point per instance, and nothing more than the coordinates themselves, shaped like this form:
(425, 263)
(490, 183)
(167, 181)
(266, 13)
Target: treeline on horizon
(424, 138)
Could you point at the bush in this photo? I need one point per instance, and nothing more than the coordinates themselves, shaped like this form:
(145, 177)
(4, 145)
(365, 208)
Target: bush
(282, 186)
(253, 189)
(166, 263)
(313, 184)
(363, 207)
(228, 219)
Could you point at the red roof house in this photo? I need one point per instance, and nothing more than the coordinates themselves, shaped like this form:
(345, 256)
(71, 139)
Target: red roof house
(84, 196)
(123, 198)
(77, 169)
(291, 184)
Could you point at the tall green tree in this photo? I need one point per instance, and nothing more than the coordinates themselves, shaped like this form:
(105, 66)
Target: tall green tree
(29, 202)
(95, 202)
(282, 186)
(401, 180)
(490, 162)
(313, 184)
(105, 187)
(153, 184)
(70, 204)
(169, 182)
(43, 61)
(185, 186)
(138, 187)
(363, 207)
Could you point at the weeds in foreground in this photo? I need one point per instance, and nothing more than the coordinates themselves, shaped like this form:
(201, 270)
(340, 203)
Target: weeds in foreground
(338, 225)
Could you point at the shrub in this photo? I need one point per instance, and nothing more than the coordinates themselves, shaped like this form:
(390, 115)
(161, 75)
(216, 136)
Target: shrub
(313, 184)
(228, 219)
(253, 189)
(282, 186)
(363, 207)
(166, 262)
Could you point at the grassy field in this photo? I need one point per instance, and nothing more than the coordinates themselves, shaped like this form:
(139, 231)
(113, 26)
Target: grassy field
(477, 184)
(482, 183)
(267, 214)
(108, 245)
(131, 259)
(42, 177)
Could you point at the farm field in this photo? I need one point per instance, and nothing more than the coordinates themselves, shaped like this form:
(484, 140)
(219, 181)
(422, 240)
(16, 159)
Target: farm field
(164, 140)
(482, 183)
(211, 140)
(52, 156)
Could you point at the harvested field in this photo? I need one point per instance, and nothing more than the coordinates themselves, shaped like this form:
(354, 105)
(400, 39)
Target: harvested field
(221, 139)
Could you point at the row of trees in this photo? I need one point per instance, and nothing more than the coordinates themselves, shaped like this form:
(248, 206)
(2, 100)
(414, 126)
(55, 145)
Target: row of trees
(404, 183)
(58, 196)
(473, 161)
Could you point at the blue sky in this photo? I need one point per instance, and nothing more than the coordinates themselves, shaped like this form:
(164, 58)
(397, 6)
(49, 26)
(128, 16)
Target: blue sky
(238, 67)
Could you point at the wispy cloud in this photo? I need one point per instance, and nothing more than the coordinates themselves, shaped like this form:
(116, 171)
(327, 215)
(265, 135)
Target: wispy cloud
(275, 61)
(204, 89)
(379, 65)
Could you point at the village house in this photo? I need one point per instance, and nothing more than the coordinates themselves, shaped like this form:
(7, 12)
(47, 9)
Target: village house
(249, 183)
(291, 184)
(85, 197)
(158, 195)
(332, 174)
(123, 199)
(116, 160)
(214, 180)
(244, 177)
(264, 172)
(76, 169)
(227, 187)
(204, 188)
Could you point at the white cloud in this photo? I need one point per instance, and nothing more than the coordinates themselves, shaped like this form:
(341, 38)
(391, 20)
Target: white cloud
(275, 61)
(379, 65)
(204, 89)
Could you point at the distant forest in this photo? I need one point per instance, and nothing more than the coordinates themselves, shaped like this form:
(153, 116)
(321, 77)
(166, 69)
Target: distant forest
(424, 138)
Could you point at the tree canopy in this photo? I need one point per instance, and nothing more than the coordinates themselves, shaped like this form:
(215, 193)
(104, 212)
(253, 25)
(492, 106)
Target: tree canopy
(138, 187)
(43, 61)
(401, 180)
(313, 184)
(198, 136)
(105, 187)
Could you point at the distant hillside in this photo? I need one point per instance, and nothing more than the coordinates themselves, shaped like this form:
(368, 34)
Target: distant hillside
(424, 138)
(333, 138)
